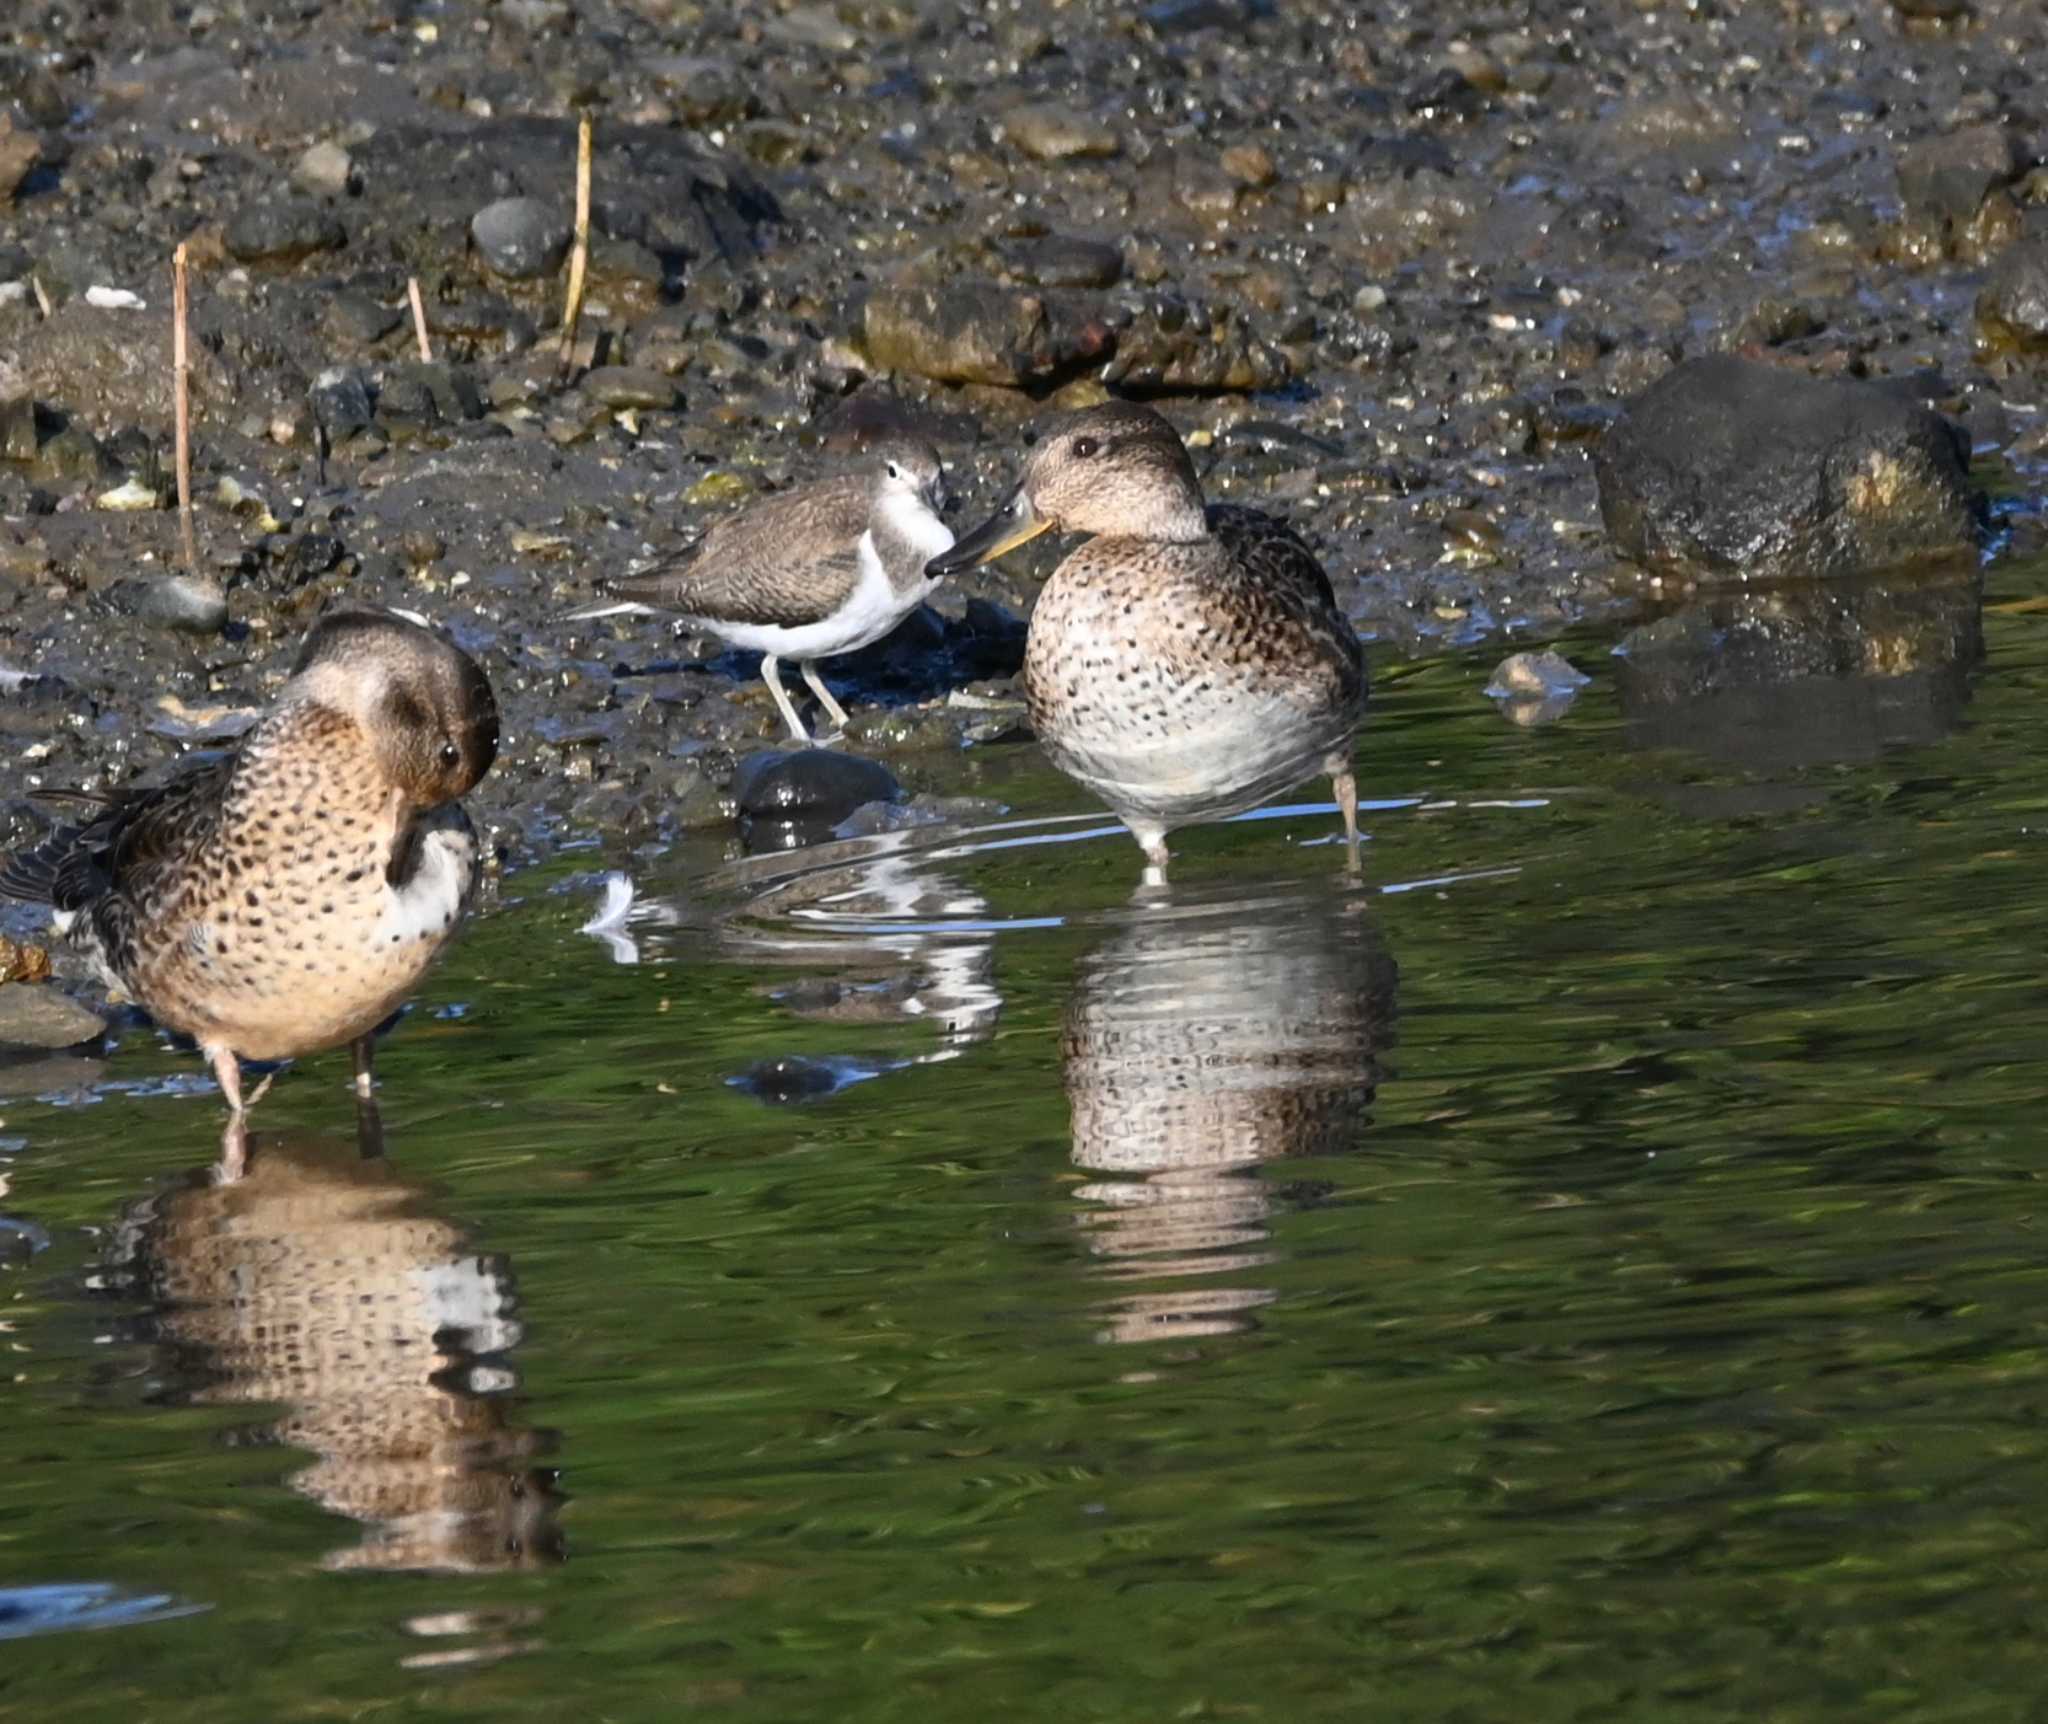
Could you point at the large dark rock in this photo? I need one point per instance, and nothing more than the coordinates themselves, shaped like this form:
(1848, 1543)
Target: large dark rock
(1727, 466)
(978, 332)
(2012, 307)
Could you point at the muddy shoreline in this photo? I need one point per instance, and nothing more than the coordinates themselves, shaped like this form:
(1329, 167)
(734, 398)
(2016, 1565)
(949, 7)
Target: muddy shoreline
(1393, 270)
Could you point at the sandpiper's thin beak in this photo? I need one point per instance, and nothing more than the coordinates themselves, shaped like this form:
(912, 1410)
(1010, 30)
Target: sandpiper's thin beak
(1010, 526)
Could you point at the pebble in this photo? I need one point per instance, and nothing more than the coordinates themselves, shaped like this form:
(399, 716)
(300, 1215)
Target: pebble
(340, 399)
(19, 439)
(2012, 308)
(520, 238)
(34, 1016)
(1250, 165)
(628, 386)
(19, 153)
(283, 232)
(130, 494)
(324, 170)
(1064, 260)
(1048, 132)
(355, 319)
(189, 603)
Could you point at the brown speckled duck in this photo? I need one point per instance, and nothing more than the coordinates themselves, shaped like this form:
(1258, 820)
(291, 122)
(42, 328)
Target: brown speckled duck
(1187, 662)
(287, 898)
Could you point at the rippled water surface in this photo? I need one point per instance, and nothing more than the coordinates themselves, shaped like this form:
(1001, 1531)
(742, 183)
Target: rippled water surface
(1595, 1267)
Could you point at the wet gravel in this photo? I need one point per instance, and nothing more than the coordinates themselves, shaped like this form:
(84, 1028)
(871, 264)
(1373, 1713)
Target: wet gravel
(1394, 269)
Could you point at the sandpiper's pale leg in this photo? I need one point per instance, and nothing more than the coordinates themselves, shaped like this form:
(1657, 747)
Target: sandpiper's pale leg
(824, 694)
(1344, 781)
(797, 733)
(365, 1050)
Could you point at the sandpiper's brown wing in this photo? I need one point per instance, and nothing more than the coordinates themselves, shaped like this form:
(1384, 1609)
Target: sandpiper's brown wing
(788, 559)
(132, 833)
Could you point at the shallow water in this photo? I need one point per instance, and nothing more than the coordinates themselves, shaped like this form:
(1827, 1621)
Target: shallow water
(1593, 1267)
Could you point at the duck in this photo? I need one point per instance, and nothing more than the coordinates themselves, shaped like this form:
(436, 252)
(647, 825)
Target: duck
(821, 569)
(1188, 661)
(288, 896)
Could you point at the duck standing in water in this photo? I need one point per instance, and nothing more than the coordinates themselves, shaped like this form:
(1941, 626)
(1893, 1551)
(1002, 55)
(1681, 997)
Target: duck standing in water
(287, 898)
(1188, 662)
(808, 573)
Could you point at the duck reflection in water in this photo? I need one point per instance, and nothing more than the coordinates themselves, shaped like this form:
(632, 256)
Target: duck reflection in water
(1200, 1042)
(321, 1282)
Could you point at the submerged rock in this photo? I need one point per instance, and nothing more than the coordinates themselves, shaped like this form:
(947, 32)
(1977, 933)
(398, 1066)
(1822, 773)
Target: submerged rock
(1727, 466)
(40, 1017)
(1541, 674)
(810, 784)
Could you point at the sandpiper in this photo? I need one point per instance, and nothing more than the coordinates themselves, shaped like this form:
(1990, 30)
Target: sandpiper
(808, 573)
(1188, 662)
(287, 898)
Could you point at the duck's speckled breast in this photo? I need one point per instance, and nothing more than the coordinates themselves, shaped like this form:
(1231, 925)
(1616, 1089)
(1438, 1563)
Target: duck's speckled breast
(1179, 686)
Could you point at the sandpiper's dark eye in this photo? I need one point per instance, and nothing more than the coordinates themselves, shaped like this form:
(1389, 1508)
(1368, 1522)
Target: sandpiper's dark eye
(451, 756)
(895, 472)
(1085, 446)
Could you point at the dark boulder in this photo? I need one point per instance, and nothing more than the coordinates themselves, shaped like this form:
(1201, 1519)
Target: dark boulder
(979, 332)
(809, 784)
(1728, 466)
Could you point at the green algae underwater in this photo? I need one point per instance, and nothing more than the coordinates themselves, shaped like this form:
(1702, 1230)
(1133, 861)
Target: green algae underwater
(1591, 1267)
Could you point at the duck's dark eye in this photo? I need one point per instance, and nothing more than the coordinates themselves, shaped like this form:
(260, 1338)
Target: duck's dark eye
(895, 472)
(1085, 446)
(451, 756)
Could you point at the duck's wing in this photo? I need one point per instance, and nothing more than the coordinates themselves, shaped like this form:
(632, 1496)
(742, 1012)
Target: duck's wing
(786, 560)
(1283, 578)
(127, 835)
(1272, 551)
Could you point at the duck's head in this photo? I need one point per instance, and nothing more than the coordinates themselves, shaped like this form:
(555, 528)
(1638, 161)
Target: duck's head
(909, 468)
(423, 702)
(1116, 471)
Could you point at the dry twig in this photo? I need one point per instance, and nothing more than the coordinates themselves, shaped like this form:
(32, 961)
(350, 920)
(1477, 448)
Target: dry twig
(579, 257)
(181, 385)
(419, 318)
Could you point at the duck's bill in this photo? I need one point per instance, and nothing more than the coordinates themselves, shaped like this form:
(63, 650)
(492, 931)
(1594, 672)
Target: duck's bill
(1010, 526)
